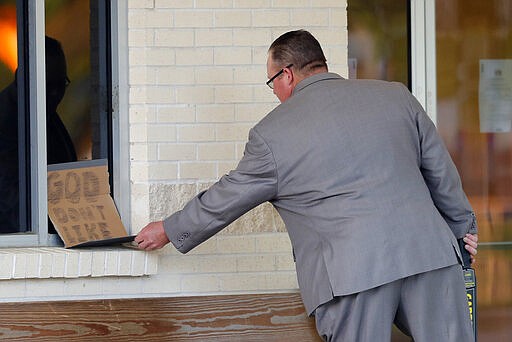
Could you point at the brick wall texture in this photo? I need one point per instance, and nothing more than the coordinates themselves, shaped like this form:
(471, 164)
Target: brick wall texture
(196, 86)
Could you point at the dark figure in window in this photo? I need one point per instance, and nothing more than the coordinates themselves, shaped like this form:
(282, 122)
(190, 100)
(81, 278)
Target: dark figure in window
(59, 145)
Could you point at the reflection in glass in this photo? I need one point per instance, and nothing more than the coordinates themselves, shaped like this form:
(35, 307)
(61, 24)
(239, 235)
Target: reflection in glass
(13, 180)
(77, 113)
(85, 108)
(8, 40)
(378, 40)
(468, 32)
(59, 147)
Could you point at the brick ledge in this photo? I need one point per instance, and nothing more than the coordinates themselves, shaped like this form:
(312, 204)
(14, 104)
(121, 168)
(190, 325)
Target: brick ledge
(58, 262)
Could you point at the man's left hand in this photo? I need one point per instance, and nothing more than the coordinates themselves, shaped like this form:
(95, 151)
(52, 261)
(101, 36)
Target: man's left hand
(471, 241)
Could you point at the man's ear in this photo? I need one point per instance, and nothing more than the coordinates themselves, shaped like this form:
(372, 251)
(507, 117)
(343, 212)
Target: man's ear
(289, 76)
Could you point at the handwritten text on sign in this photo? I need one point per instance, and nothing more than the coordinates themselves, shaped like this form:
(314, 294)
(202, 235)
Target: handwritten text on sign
(80, 206)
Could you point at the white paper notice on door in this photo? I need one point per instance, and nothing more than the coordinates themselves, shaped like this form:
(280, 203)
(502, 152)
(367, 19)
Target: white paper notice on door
(495, 95)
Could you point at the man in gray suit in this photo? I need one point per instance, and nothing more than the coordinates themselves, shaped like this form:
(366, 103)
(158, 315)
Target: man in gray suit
(371, 199)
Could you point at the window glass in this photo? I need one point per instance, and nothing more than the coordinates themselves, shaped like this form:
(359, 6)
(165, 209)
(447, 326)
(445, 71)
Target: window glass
(84, 108)
(378, 40)
(474, 117)
(13, 176)
(78, 97)
(474, 113)
(8, 53)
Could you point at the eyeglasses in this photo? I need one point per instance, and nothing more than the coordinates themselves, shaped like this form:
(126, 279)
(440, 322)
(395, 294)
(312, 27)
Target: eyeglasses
(270, 82)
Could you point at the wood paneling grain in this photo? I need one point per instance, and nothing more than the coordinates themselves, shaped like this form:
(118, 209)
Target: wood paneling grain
(258, 317)
(262, 317)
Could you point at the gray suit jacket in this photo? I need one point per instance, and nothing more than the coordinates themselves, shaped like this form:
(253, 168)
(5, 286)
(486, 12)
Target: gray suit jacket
(361, 178)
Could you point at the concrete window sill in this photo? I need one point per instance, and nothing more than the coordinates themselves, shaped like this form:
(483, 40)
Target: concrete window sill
(57, 262)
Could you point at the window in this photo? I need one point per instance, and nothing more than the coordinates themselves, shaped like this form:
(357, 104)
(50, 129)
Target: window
(473, 55)
(378, 40)
(52, 112)
(474, 114)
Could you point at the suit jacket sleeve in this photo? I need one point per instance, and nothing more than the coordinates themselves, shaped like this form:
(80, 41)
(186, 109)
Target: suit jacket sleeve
(441, 175)
(253, 182)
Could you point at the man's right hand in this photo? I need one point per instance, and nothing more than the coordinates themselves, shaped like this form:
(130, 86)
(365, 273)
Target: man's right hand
(152, 236)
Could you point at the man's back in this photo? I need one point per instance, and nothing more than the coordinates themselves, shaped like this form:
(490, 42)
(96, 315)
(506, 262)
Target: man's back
(368, 192)
(350, 188)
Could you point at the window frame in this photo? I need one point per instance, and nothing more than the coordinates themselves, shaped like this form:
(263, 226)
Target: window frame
(32, 29)
(120, 135)
(423, 55)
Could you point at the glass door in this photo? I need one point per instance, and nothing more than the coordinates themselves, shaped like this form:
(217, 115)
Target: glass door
(474, 117)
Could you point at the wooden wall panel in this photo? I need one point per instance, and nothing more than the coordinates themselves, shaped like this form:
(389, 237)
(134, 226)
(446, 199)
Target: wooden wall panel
(240, 318)
(263, 317)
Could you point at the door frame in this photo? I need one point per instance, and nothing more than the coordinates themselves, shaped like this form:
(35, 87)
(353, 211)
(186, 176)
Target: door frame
(423, 55)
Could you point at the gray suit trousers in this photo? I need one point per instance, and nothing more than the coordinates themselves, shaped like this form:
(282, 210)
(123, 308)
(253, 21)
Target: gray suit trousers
(430, 306)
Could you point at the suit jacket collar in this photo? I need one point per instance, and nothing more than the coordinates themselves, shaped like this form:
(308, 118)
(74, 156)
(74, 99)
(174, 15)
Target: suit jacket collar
(314, 79)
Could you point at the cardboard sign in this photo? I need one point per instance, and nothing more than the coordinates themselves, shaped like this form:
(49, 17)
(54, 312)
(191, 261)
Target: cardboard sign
(80, 205)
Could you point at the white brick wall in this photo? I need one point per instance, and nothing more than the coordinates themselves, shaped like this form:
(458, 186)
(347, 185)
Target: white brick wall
(29, 274)
(197, 85)
(43, 263)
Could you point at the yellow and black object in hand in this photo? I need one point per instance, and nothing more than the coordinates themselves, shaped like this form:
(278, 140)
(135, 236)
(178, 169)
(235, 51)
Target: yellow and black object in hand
(470, 282)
